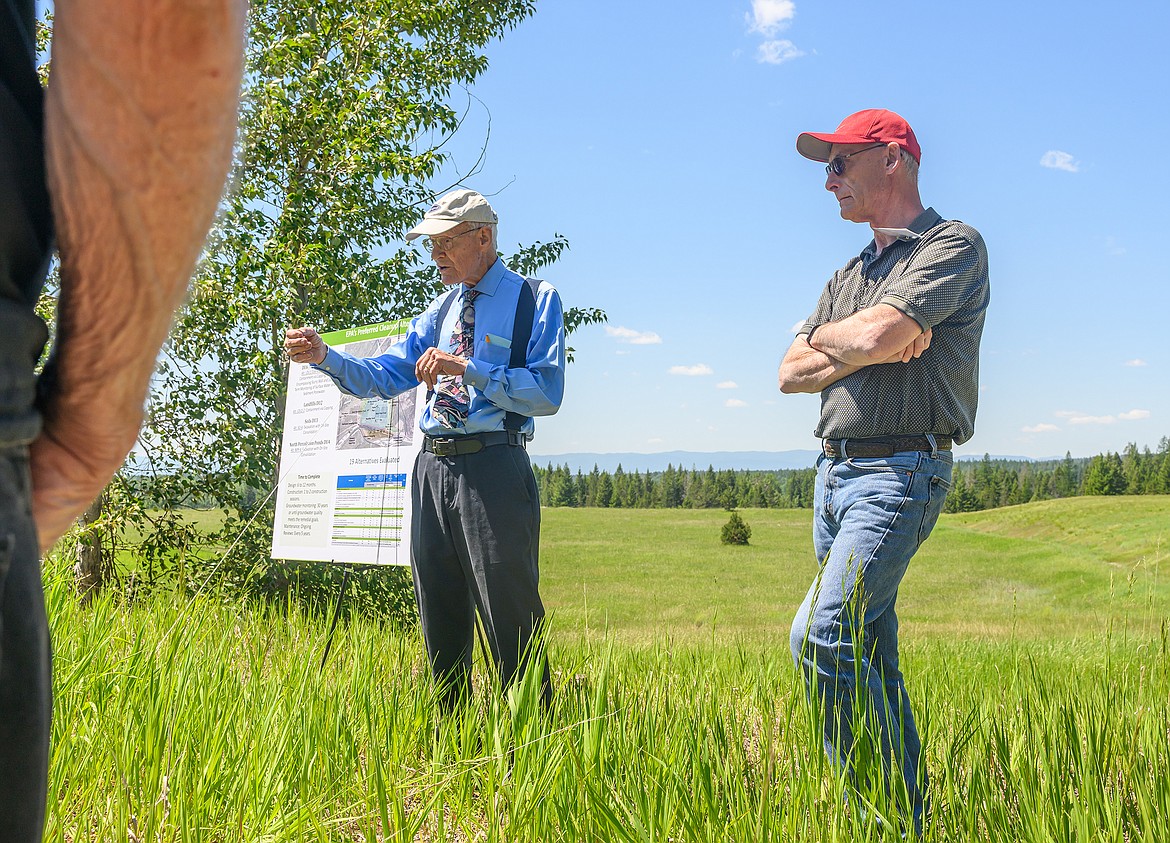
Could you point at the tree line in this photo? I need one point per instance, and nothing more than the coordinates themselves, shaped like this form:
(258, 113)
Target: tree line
(976, 485)
(676, 487)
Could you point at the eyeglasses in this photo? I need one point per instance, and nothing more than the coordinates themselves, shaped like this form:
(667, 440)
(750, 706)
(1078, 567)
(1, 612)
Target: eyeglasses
(836, 167)
(443, 243)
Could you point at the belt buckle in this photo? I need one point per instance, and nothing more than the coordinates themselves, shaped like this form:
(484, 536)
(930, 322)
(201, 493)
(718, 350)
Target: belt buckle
(441, 447)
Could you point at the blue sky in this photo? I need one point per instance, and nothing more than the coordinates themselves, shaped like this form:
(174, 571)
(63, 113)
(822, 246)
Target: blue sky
(660, 140)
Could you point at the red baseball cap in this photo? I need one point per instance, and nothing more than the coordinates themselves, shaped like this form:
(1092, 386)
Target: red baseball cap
(873, 125)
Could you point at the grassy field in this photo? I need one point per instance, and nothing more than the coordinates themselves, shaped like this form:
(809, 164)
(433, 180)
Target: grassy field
(1051, 570)
(1036, 647)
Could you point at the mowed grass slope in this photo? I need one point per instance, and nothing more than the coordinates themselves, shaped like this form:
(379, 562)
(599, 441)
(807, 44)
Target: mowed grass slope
(1056, 569)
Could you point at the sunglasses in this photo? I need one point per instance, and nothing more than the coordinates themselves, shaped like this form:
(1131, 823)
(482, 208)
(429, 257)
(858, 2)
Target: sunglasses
(836, 167)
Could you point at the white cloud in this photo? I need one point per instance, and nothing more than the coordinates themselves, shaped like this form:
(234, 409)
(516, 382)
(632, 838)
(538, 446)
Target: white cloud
(727, 385)
(1040, 428)
(734, 402)
(796, 328)
(692, 371)
(777, 52)
(770, 16)
(1138, 363)
(1054, 159)
(1083, 418)
(622, 334)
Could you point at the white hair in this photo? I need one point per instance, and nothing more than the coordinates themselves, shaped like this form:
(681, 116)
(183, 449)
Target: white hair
(910, 164)
(477, 226)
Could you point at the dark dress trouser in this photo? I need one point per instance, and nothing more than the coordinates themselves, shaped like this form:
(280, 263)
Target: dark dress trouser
(25, 244)
(475, 532)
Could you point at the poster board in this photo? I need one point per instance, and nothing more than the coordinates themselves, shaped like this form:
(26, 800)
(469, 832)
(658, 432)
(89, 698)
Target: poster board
(345, 463)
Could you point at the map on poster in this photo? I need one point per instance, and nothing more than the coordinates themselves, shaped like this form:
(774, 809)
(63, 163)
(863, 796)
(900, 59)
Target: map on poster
(345, 463)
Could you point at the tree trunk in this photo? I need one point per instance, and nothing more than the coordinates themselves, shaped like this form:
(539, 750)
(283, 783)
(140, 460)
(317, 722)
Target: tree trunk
(91, 566)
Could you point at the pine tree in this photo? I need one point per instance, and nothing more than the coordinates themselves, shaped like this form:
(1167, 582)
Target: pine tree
(736, 531)
(604, 496)
(669, 491)
(1104, 476)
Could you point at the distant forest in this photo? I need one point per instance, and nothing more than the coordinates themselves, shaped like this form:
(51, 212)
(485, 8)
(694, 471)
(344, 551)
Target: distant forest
(976, 485)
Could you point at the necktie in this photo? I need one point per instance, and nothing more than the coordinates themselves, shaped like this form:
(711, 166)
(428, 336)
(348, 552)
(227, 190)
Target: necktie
(451, 402)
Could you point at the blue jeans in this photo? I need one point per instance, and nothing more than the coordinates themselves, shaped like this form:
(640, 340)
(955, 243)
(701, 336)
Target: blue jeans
(870, 516)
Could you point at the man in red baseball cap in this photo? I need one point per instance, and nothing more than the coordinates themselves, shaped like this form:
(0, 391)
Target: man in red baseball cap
(893, 349)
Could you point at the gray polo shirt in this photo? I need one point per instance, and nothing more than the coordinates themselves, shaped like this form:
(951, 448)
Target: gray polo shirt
(939, 279)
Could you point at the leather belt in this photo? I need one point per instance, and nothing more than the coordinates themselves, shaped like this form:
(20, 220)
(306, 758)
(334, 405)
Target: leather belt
(472, 443)
(881, 446)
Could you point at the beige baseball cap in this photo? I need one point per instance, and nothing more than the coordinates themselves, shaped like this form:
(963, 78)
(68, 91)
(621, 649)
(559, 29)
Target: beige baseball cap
(451, 209)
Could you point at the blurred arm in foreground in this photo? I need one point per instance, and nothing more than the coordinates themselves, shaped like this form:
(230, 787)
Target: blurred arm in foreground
(140, 119)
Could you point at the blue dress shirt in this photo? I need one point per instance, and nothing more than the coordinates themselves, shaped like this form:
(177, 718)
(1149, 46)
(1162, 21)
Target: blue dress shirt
(493, 388)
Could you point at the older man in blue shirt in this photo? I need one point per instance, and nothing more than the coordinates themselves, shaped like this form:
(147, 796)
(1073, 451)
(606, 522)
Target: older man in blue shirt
(475, 528)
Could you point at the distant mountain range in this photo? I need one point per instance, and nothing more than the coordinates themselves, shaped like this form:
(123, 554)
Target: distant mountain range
(719, 460)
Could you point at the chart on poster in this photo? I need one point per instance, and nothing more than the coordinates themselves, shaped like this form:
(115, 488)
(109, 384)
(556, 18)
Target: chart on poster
(345, 463)
(368, 508)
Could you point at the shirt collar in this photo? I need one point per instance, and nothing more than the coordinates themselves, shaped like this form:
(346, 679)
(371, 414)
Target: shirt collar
(490, 282)
(921, 224)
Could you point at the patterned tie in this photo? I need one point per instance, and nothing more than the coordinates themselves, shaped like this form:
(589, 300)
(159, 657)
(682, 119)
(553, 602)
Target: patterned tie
(451, 403)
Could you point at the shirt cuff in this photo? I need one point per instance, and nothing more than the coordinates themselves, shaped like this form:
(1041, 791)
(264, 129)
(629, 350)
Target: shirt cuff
(330, 364)
(476, 374)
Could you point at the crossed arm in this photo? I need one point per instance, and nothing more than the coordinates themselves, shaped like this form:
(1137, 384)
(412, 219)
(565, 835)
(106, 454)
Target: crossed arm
(878, 334)
(140, 118)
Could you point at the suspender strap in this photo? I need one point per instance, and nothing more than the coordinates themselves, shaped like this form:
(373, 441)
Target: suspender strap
(521, 334)
(442, 314)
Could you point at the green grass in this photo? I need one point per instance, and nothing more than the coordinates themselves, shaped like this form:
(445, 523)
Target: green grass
(679, 715)
(1057, 569)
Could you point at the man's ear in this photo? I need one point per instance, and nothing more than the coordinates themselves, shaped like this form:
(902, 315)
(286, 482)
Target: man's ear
(893, 156)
